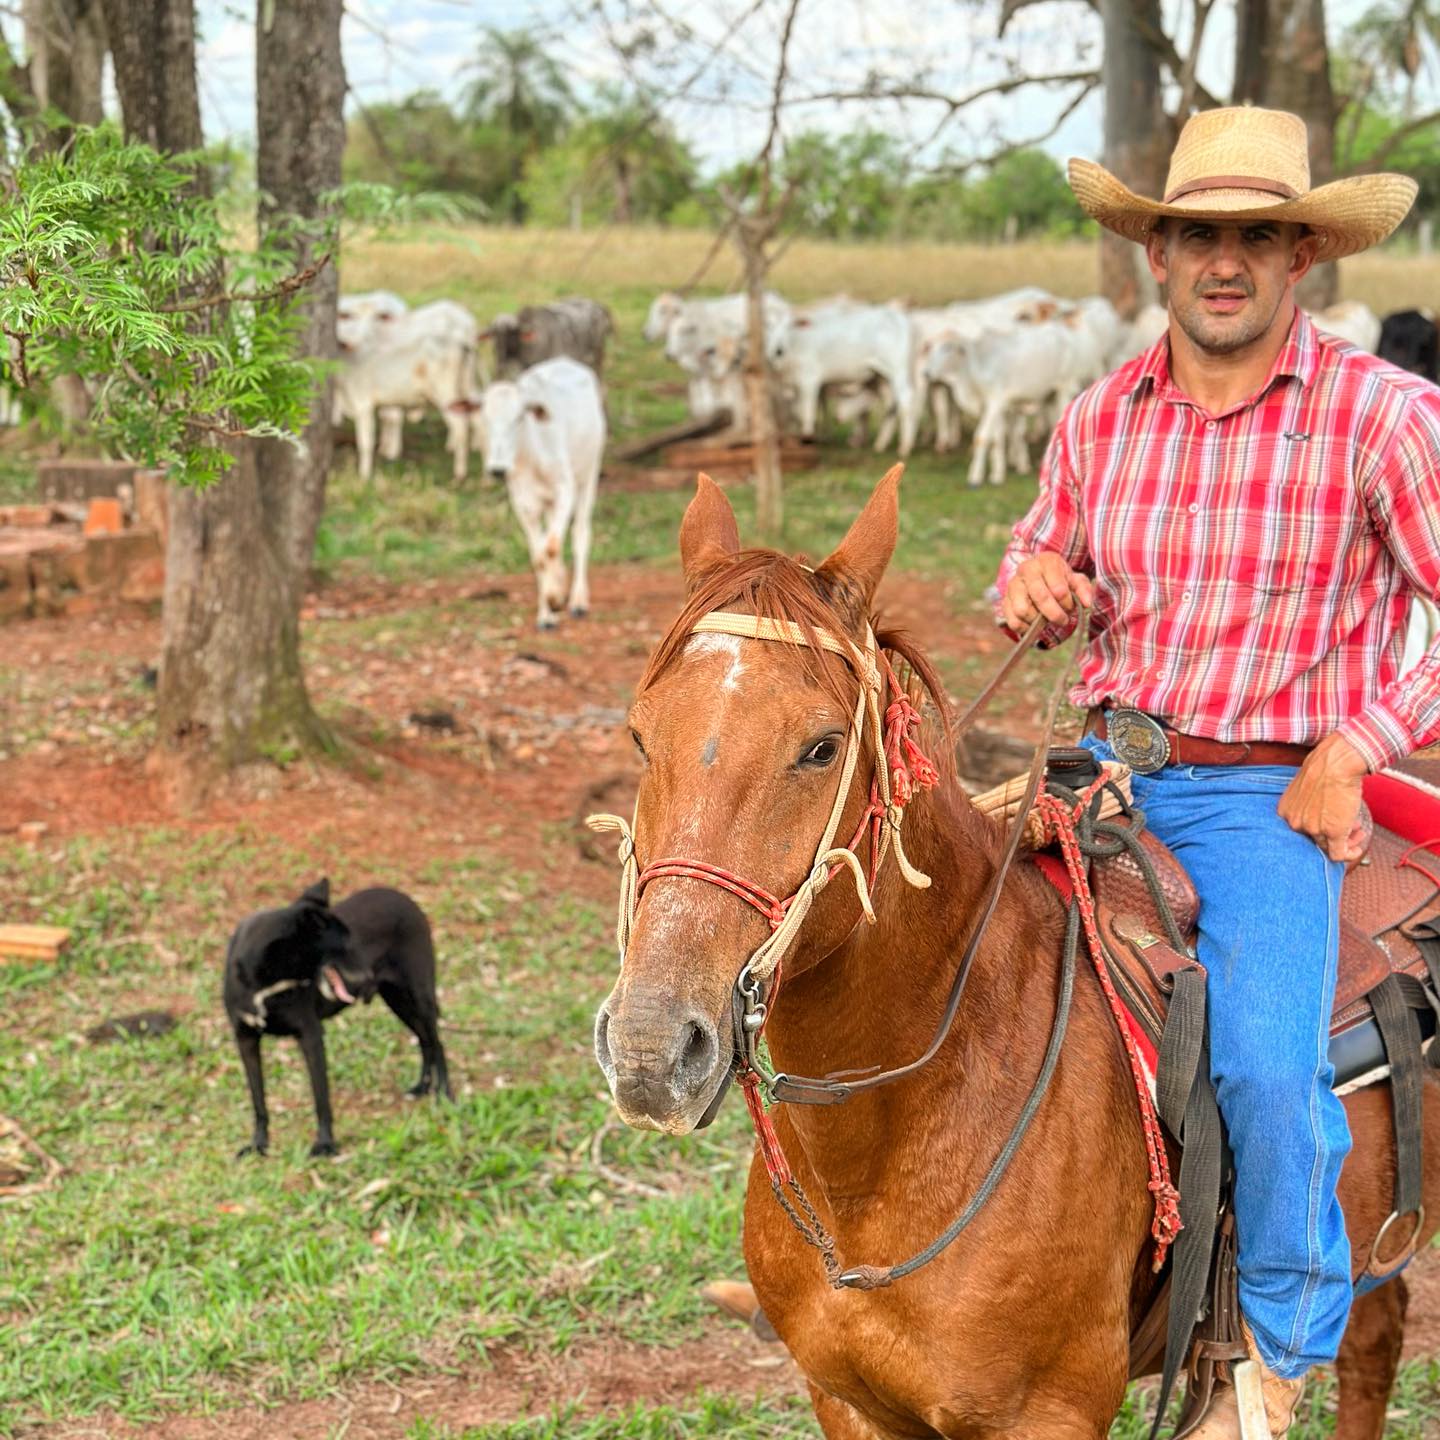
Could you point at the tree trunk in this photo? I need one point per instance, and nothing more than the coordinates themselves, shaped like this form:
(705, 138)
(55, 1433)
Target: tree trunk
(231, 687)
(1138, 137)
(750, 237)
(66, 42)
(1282, 61)
(300, 97)
(153, 42)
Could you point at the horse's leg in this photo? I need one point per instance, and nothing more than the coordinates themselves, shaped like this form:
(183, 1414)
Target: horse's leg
(839, 1420)
(1369, 1356)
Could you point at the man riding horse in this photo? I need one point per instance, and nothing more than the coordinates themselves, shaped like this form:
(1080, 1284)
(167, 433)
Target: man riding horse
(1249, 506)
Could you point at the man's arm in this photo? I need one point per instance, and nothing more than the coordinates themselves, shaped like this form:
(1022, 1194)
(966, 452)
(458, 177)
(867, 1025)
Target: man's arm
(1403, 495)
(1044, 568)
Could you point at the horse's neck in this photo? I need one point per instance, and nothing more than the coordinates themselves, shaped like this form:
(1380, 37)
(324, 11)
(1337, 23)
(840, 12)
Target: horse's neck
(877, 1000)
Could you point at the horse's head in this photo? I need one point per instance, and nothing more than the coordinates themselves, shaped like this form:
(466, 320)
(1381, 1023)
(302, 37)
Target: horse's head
(744, 742)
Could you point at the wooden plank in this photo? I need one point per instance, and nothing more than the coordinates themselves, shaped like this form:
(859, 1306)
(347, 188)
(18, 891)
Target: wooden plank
(32, 942)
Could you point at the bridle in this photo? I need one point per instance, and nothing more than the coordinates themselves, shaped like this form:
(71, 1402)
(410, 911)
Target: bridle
(901, 769)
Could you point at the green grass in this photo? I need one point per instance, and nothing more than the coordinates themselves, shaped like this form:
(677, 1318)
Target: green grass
(414, 523)
(163, 1268)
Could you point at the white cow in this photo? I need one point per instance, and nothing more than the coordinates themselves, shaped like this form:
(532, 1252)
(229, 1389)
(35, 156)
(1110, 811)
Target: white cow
(851, 346)
(998, 372)
(408, 375)
(700, 334)
(366, 323)
(965, 320)
(1351, 321)
(544, 434)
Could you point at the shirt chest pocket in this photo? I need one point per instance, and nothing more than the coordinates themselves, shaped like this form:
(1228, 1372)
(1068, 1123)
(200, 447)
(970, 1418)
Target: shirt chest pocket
(1289, 515)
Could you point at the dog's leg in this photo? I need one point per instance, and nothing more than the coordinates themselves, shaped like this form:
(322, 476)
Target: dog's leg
(312, 1045)
(423, 1019)
(247, 1041)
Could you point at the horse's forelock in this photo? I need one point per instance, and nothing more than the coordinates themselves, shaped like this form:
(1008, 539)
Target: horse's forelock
(772, 585)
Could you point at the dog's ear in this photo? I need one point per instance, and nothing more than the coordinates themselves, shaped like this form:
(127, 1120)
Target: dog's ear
(318, 894)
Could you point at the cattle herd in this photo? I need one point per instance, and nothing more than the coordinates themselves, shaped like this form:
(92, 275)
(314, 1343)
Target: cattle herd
(532, 402)
(1008, 363)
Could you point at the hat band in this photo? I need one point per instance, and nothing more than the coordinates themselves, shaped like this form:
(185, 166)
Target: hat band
(1233, 182)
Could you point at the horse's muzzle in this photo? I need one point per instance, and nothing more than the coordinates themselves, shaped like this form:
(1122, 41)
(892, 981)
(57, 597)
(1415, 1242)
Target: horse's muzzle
(663, 1061)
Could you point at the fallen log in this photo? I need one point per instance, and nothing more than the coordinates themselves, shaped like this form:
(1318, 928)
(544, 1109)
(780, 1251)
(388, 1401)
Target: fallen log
(692, 429)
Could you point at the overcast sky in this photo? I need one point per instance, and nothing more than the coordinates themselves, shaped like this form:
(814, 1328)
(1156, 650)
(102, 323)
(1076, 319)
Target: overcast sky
(393, 47)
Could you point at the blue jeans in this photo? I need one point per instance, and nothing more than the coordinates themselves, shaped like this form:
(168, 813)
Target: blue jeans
(1269, 938)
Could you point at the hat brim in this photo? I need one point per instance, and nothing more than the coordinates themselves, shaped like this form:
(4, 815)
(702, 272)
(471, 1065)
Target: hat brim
(1347, 216)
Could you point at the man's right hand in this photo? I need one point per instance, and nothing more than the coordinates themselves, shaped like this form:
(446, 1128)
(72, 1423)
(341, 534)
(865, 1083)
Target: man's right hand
(1044, 585)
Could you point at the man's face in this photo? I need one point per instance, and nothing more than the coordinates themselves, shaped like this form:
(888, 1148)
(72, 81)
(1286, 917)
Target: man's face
(1227, 284)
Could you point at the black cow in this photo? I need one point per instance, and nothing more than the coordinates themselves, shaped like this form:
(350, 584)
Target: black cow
(1410, 339)
(577, 328)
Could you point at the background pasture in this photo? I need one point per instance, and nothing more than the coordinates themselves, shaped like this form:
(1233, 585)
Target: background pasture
(513, 1267)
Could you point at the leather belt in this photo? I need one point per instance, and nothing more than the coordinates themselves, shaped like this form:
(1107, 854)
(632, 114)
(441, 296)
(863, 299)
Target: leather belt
(1196, 749)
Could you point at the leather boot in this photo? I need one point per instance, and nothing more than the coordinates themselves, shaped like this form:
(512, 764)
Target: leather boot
(1282, 1398)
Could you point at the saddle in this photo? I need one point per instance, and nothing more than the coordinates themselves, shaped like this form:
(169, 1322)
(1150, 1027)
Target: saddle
(1389, 903)
(1385, 1011)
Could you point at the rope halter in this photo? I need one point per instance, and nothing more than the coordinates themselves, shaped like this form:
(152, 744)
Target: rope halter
(900, 770)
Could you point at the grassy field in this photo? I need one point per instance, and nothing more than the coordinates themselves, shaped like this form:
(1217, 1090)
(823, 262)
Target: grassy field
(448, 1246)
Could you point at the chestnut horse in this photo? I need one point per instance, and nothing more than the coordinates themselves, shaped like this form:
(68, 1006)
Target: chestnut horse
(1021, 1327)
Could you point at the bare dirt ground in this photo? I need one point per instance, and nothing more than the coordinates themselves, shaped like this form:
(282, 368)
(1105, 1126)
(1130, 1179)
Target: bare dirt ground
(520, 733)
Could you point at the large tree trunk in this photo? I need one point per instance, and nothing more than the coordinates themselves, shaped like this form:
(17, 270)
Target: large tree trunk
(1282, 61)
(300, 98)
(1138, 137)
(153, 42)
(66, 43)
(231, 687)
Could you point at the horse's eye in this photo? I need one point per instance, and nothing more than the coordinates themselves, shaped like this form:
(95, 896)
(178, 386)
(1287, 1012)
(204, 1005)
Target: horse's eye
(635, 736)
(822, 753)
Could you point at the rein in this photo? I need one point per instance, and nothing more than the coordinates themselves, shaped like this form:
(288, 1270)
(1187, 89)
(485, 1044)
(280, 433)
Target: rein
(900, 770)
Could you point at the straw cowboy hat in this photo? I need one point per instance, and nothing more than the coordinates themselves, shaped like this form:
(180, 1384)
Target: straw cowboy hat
(1248, 164)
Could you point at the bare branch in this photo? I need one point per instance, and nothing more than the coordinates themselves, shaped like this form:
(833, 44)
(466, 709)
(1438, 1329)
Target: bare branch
(1189, 86)
(1011, 147)
(287, 286)
(1164, 47)
(1392, 142)
(872, 90)
(721, 235)
(777, 98)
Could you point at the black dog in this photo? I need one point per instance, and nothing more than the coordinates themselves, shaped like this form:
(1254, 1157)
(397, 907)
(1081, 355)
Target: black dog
(288, 970)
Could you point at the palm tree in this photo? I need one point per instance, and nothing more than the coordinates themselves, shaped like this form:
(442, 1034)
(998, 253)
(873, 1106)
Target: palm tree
(519, 89)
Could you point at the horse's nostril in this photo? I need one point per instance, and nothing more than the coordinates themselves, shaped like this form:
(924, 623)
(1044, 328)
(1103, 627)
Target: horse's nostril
(602, 1040)
(697, 1055)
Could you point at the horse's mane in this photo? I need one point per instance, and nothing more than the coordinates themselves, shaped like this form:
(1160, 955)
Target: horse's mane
(772, 585)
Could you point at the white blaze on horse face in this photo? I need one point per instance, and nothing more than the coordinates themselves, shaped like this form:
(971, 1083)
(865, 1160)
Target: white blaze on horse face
(722, 645)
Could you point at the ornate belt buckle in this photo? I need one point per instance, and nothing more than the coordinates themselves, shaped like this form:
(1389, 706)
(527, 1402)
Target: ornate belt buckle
(1137, 739)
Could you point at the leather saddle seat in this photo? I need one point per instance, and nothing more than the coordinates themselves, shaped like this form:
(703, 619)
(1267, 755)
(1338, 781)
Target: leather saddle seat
(1393, 888)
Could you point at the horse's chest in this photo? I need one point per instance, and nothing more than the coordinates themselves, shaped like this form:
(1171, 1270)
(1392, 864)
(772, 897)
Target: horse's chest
(908, 1371)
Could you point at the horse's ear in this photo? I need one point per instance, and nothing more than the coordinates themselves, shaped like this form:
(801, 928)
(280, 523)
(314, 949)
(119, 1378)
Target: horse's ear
(709, 535)
(853, 573)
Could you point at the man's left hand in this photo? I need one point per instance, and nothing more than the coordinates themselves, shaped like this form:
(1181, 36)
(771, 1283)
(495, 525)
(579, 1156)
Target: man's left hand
(1323, 800)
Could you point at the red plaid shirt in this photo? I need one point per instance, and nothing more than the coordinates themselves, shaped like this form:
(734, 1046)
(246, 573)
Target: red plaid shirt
(1253, 569)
